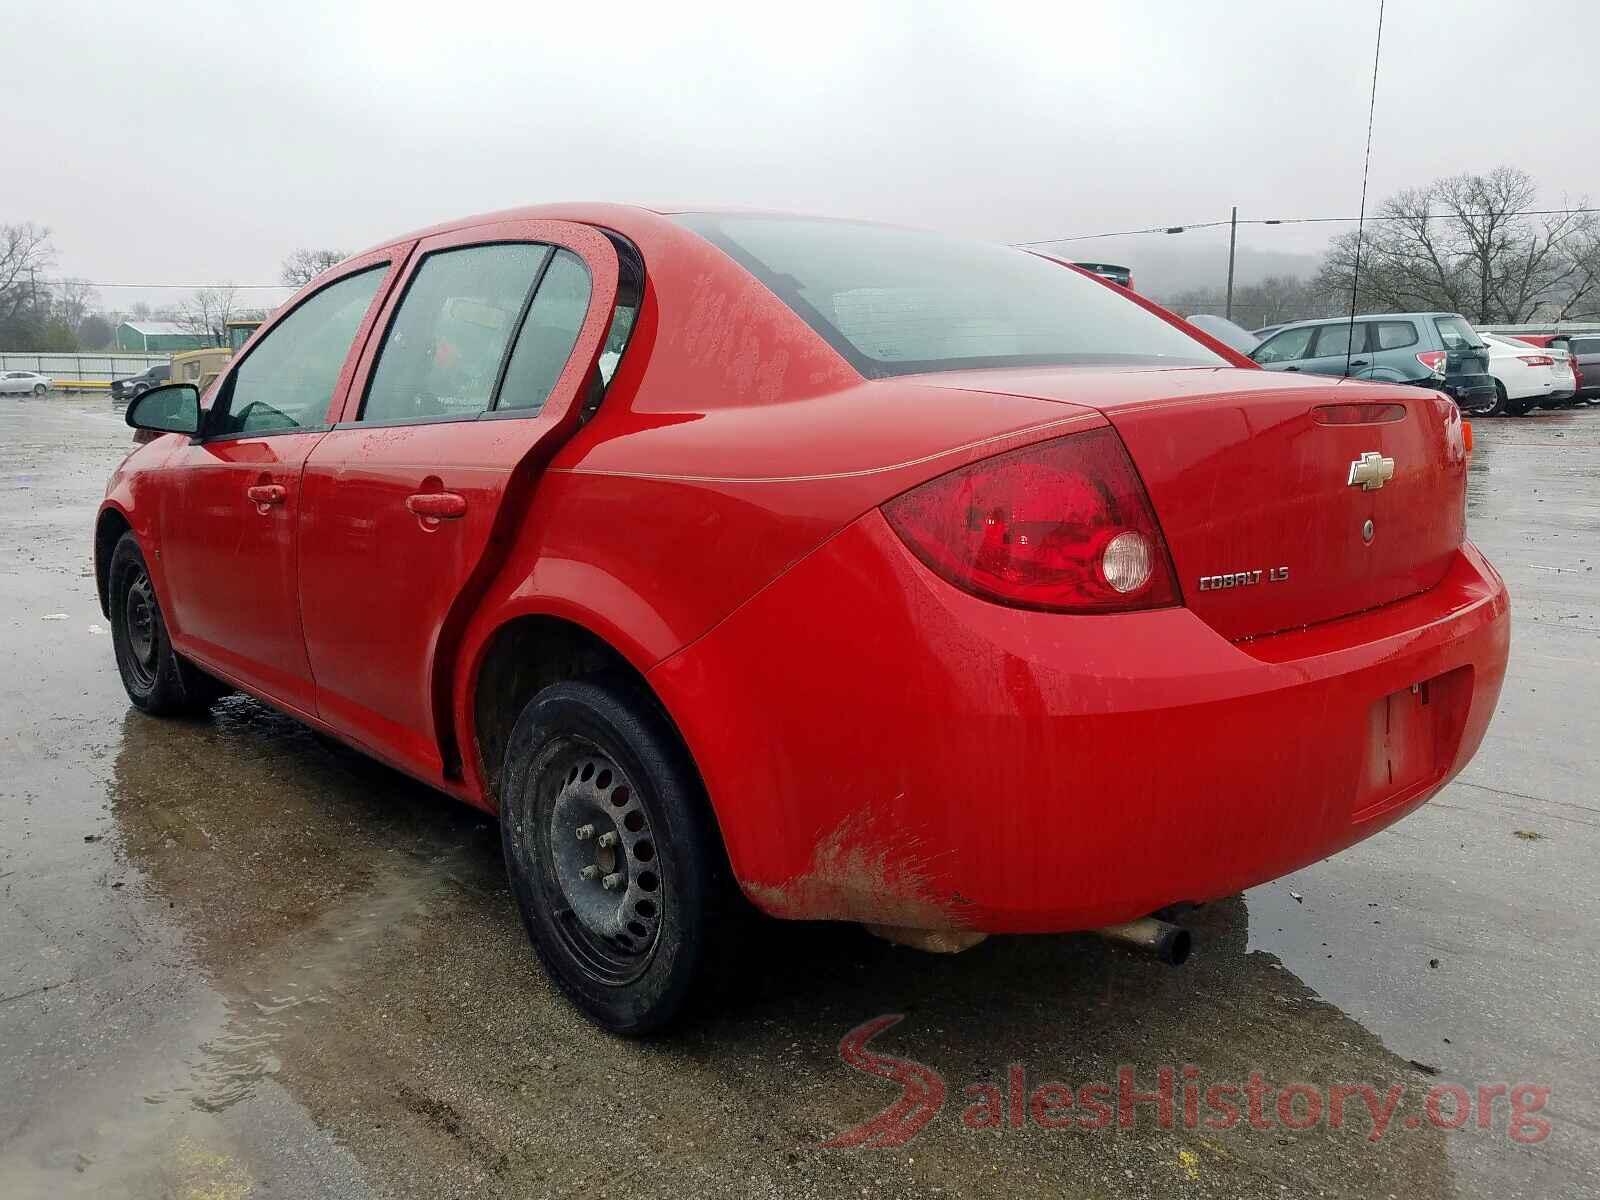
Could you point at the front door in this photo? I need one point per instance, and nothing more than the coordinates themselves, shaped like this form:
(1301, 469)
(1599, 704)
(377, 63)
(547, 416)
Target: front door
(490, 346)
(228, 525)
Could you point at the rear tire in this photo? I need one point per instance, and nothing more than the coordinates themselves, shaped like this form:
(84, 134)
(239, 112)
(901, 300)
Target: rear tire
(156, 677)
(38, 390)
(614, 857)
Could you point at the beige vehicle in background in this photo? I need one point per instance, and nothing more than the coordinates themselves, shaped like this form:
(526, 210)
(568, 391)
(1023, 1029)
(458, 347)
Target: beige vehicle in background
(201, 367)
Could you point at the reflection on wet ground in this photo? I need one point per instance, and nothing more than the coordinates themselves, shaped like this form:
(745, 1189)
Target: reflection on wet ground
(280, 969)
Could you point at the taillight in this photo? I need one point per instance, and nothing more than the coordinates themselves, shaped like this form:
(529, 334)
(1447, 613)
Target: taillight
(1434, 360)
(1064, 526)
(1537, 360)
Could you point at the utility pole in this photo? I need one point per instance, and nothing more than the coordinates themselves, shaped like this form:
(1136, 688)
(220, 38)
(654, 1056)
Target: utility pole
(1233, 237)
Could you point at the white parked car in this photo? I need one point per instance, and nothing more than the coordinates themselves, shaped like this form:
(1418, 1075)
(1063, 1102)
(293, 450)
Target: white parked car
(13, 383)
(1528, 376)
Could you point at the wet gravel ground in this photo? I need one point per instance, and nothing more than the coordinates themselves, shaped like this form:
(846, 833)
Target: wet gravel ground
(237, 962)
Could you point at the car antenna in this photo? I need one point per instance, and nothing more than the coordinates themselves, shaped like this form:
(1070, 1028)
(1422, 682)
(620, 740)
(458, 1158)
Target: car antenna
(1361, 220)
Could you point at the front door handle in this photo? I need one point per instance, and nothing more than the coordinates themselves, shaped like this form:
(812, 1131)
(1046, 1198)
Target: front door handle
(1291, 368)
(440, 506)
(265, 494)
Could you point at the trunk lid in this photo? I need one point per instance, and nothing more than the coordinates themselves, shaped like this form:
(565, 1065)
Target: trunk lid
(1250, 477)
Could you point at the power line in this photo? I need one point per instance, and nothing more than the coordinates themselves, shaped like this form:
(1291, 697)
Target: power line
(1445, 216)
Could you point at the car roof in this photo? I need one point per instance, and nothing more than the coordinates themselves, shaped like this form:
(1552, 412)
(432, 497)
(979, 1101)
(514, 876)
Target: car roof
(606, 214)
(1362, 317)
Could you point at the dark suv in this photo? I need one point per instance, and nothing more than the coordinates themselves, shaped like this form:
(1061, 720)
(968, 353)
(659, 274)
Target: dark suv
(1436, 350)
(137, 385)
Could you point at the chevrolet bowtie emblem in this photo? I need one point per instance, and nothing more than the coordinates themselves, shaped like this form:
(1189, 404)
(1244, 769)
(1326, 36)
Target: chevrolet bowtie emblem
(1371, 471)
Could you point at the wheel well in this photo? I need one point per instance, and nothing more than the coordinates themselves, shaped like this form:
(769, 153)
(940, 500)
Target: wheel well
(525, 656)
(108, 532)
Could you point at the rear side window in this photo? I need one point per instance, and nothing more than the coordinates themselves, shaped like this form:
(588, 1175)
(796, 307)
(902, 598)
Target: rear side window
(1456, 334)
(442, 354)
(548, 335)
(289, 377)
(1340, 339)
(899, 301)
(1392, 335)
(1288, 346)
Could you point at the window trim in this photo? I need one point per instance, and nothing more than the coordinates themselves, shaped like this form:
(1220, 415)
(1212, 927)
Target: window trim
(224, 395)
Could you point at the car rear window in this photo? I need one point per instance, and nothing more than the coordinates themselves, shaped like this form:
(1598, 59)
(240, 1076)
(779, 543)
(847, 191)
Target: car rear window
(898, 301)
(1457, 334)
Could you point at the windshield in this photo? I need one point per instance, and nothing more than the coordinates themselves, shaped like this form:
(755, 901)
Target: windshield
(900, 301)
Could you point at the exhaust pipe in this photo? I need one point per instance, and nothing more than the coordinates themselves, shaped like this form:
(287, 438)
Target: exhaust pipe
(1167, 942)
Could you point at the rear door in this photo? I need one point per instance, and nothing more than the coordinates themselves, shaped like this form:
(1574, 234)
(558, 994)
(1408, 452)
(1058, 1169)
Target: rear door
(489, 351)
(231, 498)
(1338, 349)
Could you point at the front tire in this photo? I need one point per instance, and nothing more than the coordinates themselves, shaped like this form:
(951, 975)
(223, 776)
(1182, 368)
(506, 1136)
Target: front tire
(156, 677)
(614, 858)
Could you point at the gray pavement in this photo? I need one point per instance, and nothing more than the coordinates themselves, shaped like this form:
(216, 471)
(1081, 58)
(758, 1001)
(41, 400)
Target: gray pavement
(238, 962)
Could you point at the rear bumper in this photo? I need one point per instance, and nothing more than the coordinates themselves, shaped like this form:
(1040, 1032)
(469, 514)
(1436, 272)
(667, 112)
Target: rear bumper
(881, 747)
(1471, 391)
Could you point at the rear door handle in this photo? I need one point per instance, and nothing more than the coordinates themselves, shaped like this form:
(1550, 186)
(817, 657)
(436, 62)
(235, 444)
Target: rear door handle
(1359, 362)
(264, 494)
(1291, 368)
(438, 505)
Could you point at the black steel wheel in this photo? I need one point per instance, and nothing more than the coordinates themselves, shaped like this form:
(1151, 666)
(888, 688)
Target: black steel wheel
(156, 678)
(612, 853)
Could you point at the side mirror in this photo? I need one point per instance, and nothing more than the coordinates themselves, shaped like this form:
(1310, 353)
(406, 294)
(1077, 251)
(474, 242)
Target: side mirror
(170, 408)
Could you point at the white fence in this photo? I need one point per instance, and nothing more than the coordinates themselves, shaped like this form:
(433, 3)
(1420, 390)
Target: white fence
(90, 372)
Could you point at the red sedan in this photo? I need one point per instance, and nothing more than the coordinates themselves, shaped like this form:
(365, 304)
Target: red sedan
(877, 575)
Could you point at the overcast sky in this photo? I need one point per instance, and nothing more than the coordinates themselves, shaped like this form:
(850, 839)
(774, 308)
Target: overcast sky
(176, 142)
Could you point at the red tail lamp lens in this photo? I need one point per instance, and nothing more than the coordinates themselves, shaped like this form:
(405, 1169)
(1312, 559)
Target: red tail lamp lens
(1434, 360)
(1064, 526)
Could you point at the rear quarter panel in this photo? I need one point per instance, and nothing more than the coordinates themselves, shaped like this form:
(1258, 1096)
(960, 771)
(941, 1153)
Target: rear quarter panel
(731, 443)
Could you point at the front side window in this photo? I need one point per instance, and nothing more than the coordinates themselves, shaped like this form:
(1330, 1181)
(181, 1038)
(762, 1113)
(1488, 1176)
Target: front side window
(1288, 346)
(548, 335)
(287, 381)
(1585, 345)
(900, 301)
(444, 348)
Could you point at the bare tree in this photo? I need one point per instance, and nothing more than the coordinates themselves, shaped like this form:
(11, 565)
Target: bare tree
(301, 267)
(73, 299)
(207, 313)
(1272, 300)
(25, 250)
(1466, 244)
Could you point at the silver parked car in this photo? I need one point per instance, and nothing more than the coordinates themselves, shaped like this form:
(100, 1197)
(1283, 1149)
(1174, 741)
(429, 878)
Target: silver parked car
(22, 383)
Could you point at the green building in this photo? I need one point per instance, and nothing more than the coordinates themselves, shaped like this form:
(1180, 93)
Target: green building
(158, 337)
